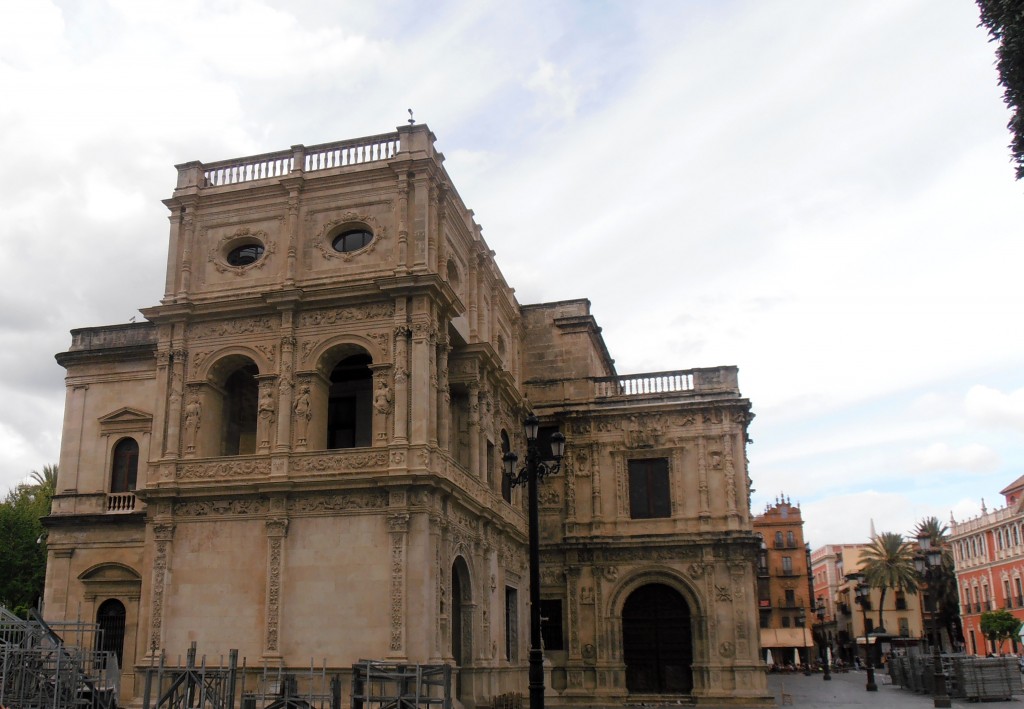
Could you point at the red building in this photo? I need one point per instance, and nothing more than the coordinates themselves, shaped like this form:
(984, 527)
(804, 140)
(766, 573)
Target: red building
(988, 551)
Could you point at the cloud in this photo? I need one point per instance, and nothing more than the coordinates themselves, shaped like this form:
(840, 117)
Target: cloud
(557, 95)
(990, 407)
(973, 457)
(847, 519)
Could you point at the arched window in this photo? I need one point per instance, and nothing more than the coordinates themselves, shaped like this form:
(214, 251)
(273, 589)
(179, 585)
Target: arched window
(790, 539)
(349, 405)
(125, 469)
(778, 540)
(111, 619)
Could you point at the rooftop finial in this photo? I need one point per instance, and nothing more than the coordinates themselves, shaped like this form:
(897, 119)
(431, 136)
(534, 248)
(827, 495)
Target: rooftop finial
(412, 121)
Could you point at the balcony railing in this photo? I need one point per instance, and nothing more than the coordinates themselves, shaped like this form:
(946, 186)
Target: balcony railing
(121, 502)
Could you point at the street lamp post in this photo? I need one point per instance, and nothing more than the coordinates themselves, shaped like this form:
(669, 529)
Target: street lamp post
(927, 567)
(819, 610)
(863, 591)
(535, 470)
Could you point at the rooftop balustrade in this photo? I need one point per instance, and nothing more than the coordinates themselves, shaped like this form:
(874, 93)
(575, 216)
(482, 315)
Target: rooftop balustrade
(296, 160)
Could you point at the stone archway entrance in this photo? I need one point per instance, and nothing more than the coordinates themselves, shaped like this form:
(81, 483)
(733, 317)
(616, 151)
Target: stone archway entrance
(657, 645)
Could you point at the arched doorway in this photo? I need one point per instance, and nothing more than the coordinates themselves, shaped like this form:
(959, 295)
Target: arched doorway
(657, 646)
(111, 619)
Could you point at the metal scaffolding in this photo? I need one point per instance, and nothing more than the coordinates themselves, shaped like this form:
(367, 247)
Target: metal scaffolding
(55, 668)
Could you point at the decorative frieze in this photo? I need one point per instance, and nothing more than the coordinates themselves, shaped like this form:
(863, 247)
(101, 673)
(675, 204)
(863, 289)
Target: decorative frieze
(345, 461)
(219, 508)
(224, 469)
(338, 502)
(335, 316)
(228, 328)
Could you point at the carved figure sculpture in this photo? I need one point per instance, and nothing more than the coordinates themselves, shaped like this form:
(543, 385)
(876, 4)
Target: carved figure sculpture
(266, 415)
(193, 418)
(382, 398)
(303, 413)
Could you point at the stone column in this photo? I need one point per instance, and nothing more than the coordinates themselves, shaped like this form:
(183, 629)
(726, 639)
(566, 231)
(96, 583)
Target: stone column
(188, 237)
(474, 429)
(285, 390)
(173, 443)
(402, 384)
(163, 377)
(277, 528)
(403, 225)
(420, 363)
(293, 231)
(443, 395)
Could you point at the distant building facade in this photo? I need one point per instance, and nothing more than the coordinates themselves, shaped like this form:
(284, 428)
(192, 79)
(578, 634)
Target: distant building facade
(827, 564)
(988, 553)
(785, 600)
(298, 455)
(852, 624)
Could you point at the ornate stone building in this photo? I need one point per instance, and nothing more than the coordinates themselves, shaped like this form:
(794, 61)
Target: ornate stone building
(298, 454)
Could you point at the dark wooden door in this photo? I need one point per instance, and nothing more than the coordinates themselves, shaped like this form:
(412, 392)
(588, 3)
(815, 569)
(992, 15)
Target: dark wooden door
(656, 642)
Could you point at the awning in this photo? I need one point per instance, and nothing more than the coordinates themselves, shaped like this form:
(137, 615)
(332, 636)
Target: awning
(786, 637)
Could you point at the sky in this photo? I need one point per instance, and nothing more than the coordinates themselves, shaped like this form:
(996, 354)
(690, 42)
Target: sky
(818, 193)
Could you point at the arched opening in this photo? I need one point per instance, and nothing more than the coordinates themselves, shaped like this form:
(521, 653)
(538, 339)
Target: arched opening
(461, 619)
(241, 394)
(657, 646)
(111, 620)
(350, 403)
(125, 469)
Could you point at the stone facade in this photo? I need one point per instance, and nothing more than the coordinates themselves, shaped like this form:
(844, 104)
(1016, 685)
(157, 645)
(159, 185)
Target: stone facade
(298, 454)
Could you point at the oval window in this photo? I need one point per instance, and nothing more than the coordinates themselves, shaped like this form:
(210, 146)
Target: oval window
(245, 255)
(352, 240)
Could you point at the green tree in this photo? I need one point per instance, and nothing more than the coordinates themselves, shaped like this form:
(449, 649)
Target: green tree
(1004, 20)
(942, 583)
(999, 626)
(23, 541)
(888, 562)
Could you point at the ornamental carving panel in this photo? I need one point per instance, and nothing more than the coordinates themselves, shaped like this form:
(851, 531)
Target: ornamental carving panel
(333, 316)
(227, 328)
(339, 502)
(340, 462)
(206, 508)
(224, 470)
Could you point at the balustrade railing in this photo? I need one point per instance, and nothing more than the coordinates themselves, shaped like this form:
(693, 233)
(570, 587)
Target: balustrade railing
(121, 502)
(669, 382)
(317, 157)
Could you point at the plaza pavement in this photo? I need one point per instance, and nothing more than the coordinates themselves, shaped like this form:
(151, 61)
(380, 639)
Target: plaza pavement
(847, 690)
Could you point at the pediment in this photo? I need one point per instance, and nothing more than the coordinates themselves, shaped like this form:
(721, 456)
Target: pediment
(126, 415)
(108, 573)
(126, 419)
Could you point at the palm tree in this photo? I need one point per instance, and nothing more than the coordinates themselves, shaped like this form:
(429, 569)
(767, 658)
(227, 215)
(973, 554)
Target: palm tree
(942, 585)
(888, 562)
(46, 481)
